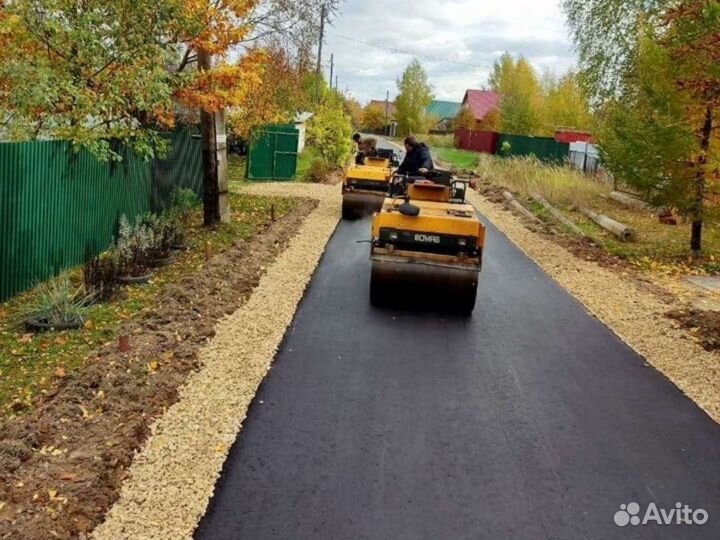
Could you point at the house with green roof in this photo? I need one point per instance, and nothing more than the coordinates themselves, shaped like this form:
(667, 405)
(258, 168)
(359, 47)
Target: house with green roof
(445, 112)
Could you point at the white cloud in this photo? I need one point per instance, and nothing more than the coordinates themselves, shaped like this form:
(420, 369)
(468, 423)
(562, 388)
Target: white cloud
(465, 31)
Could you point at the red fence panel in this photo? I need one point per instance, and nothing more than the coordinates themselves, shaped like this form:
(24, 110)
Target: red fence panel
(477, 141)
(569, 136)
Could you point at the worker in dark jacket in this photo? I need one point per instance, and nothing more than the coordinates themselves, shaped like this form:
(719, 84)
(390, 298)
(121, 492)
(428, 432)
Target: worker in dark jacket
(418, 160)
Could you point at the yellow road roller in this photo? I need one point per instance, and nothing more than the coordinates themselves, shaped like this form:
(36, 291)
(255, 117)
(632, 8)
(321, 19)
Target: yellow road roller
(427, 245)
(366, 185)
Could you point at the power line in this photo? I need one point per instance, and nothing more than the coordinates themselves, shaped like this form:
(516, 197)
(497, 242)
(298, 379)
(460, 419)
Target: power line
(410, 53)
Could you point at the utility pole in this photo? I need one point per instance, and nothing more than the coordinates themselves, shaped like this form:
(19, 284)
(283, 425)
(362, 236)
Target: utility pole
(318, 71)
(214, 158)
(387, 111)
(322, 36)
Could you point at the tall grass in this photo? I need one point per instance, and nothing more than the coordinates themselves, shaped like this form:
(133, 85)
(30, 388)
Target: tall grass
(440, 141)
(557, 183)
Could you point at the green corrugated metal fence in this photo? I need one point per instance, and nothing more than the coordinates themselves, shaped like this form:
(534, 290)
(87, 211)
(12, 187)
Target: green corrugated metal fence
(273, 153)
(57, 207)
(543, 148)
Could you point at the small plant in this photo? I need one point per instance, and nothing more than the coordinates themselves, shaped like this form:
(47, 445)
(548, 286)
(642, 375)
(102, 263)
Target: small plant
(57, 304)
(318, 171)
(101, 275)
(506, 148)
(182, 203)
(177, 217)
(162, 232)
(133, 246)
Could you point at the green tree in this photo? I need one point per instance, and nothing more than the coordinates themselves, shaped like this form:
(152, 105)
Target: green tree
(645, 139)
(606, 34)
(521, 95)
(692, 41)
(373, 118)
(465, 119)
(415, 94)
(565, 105)
(86, 70)
(659, 135)
(329, 131)
(92, 70)
(354, 110)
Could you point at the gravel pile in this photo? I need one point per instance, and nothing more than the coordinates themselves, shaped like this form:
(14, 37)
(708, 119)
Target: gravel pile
(172, 479)
(634, 313)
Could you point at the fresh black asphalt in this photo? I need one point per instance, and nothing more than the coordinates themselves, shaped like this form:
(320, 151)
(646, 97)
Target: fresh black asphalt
(529, 420)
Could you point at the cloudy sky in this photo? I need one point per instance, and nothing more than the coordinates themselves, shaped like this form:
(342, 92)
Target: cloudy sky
(468, 34)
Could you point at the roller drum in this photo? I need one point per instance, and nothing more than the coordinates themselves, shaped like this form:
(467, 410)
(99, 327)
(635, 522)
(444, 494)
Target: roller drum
(359, 205)
(423, 285)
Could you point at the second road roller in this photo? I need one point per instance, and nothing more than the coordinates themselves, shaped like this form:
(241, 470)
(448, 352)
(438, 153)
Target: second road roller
(427, 245)
(366, 183)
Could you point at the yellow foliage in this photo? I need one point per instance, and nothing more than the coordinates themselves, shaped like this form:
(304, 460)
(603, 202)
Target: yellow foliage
(275, 99)
(221, 24)
(465, 119)
(226, 85)
(373, 118)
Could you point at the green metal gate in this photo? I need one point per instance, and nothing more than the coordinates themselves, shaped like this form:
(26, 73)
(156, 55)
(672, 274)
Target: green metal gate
(273, 153)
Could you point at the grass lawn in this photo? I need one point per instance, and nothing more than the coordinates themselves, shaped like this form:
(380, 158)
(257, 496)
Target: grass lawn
(458, 159)
(29, 362)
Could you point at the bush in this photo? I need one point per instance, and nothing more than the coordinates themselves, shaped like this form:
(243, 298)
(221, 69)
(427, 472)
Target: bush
(163, 233)
(101, 275)
(177, 217)
(329, 131)
(318, 171)
(133, 245)
(182, 202)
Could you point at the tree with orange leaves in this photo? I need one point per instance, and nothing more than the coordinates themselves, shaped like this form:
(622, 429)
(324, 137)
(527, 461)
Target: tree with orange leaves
(95, 70)
(277, 98)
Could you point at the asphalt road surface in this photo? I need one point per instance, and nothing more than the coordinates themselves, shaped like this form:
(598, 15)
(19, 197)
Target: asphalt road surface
(529, 420)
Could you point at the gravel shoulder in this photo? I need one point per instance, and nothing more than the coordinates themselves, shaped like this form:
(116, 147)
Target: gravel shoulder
(636, 313)
(172, 479)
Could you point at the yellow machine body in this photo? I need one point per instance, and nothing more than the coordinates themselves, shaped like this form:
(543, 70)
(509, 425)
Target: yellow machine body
(365, 187)
(435, 255)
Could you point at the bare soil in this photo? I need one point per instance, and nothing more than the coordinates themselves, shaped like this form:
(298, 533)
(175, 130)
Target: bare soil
(704, 324)
(62, 465)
